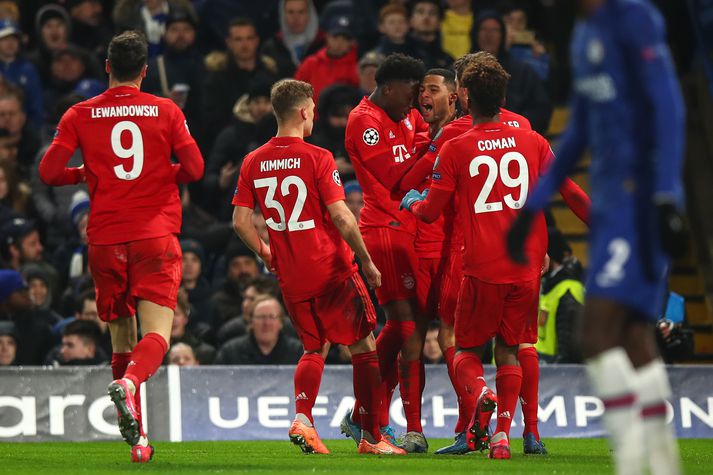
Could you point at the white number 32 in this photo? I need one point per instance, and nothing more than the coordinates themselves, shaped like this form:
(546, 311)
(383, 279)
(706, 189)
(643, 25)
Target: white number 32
(135, 150)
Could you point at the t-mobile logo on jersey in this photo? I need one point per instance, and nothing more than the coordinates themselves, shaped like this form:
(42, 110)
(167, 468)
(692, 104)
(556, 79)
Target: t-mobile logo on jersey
(400, 153)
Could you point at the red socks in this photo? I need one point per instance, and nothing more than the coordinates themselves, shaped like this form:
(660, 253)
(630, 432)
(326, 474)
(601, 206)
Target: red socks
(388, 346)
(508, 380)
(367, 385)
(410, 388)
(146, 358)
(463, 416)
(469, 376)
(529, 390)
(308, 377)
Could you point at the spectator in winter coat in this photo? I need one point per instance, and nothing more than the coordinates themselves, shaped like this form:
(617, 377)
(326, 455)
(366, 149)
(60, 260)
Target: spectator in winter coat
(393, 26)
(526, 92)
(253, 124)
(52, 30)
(425, 28)
(335, 63)
(228, 76)
(299, 36)
(89, 28)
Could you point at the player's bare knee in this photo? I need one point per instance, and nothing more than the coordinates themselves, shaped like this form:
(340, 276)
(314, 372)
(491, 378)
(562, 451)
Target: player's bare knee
(505, 354)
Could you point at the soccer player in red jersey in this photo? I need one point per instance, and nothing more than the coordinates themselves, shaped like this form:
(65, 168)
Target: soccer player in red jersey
(491, 168)
(127, 138)
(382, 138)
(298, 187)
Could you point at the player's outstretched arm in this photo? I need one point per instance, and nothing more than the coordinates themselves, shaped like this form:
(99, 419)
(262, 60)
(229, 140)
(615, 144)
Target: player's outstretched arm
(53, 167)
(576, 200)
(243, 225)
(191, 165)
(344, 220)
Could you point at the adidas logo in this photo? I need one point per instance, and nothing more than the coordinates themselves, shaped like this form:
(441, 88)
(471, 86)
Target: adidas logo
(131, 363)
(362, 411)
(301, 397)
(391, 135)
(505, 414)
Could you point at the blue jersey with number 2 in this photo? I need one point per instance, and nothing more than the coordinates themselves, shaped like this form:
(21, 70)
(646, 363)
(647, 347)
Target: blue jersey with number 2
(627, 108)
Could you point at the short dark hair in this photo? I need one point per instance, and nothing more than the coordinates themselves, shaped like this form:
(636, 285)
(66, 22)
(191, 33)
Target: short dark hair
(128, 53)
(412, 6)
(241, 21)
(87, 330)
(449, 77)
(264, 285)
(287, 94)
(399, 67)
(486, 81)
(88, 294)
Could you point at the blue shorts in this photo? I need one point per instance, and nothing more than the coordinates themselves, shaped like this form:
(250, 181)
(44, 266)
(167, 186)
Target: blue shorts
(626, 262)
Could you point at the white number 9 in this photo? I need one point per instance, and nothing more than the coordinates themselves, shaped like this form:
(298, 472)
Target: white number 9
(135, 150)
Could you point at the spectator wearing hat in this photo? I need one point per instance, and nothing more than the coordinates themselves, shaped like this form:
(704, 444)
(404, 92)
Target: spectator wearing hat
(39, 287)
(150, 17)
(177, 72)
(89, 27)
(13, 292)
(71, 256)
(19, 140)
(354, 197)
(394, 26)
(196, 285)
(241, 268)
(20, 72)
(335, 104)
(21, 243)
(335, 63)
(52, 32)
(229, 75)
(299, 36)
(253, 124)
(8, 343)
(266, 342)
(368, 64)
(425, 21)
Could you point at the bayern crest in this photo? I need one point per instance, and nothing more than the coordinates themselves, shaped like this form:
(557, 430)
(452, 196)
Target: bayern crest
(370, 136)
(409, 281)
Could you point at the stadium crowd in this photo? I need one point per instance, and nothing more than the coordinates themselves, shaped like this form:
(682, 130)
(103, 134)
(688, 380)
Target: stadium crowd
(218, 60)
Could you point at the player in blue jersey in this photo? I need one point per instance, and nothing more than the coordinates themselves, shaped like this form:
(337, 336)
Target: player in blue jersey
(627, 108)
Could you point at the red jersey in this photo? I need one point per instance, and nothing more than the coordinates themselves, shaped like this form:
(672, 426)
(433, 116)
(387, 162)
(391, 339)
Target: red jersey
(491, 169)
(378, 147)
(127, 138)
(293, 182)
(432, 239)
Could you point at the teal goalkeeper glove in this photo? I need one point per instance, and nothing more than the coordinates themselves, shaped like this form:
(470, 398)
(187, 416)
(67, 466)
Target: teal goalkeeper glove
(411, 197)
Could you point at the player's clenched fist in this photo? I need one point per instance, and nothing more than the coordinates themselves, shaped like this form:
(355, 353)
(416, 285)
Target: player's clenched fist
(372, 274)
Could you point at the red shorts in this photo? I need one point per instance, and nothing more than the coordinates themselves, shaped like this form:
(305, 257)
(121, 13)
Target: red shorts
(344, 315)
(530, 333)
(428, 285)
(149, 269)
(394, 255)
(485, 310)
(450, 286)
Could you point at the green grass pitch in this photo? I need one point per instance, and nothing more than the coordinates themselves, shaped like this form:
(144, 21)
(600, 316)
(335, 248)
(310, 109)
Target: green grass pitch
(567, 456)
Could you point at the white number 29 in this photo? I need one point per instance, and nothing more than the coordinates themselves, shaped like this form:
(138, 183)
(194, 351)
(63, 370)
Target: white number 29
(521, 180)
(293, 224)
(135, 150)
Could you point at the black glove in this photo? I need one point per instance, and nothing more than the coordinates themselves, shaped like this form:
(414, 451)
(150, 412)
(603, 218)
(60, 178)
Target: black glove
(518, 234)
(673, 234)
